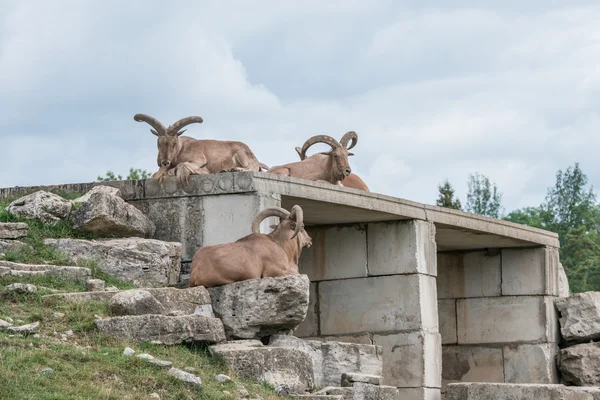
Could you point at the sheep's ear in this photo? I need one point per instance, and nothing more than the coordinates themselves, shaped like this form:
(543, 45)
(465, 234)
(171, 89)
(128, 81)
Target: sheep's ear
(273, 227)
(327, 153)
(180, 132)
(154, 132)
(350, 154)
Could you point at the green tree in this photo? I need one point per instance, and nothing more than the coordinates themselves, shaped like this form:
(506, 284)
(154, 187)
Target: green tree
(446, 197)
(134, 174)
(483, 197)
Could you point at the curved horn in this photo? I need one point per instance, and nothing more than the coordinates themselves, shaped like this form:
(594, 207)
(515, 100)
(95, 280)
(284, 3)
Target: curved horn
(319, 139)
(298, 216)
(174, 129)
(349, 135)
(299, 151)
(159, 128)
(282, 213)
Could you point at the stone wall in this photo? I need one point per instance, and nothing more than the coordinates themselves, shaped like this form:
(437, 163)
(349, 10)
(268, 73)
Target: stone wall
(497, 317)
(375, 284)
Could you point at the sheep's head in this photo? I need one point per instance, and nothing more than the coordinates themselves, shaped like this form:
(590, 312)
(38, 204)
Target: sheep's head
(168, 138)
(291, 224)
(339, 152)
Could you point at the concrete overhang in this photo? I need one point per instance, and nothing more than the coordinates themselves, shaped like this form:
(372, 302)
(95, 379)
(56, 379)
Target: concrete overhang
(326, 204)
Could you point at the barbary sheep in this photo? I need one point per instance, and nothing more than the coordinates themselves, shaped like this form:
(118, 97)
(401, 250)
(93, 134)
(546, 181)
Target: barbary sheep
(254, 256)
(351, 181)
(183, 156)
(332, 168)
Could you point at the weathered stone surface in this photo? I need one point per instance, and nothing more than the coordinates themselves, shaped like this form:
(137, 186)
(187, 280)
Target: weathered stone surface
(275, 365)
(383, 303)
(362, 338)
(25, 270)
(580, 364)
(424, 350)
(222, 378)
(420, 394)
(22, 287)
(161, 363)
(346, 393)
(336, 253)
(80, 296)
(471, 364)
(372, 392)
(42, 206)
(530, 271)
(134, 302)
(260, 307)
(24, 329)
(402, 247)
(472, 274)
(505, 319)
(530, 363)
(563, 282)
(94, 285)
(128, 351)
(580, 317)
(594, 391)
(185, 376)
(11, 245)
(310, 325)
(331, 359)
(317, 397)
(113, 191)
(447, 317)
(509, 391)
(144, 262)
(13, 230)
(195, 300)
(106, 214)
(4, 324)
(348, 379)
(166, 329)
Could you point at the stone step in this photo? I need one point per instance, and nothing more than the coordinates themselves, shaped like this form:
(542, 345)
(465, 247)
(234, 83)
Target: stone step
(13, 230)
(9, 268)
(501, 391)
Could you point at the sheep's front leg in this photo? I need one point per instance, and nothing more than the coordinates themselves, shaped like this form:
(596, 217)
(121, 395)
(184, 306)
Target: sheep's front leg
(184, 170)
(161, 173)
(241, 162)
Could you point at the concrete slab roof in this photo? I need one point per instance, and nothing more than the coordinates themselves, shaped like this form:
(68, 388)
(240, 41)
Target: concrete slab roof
(326, 204)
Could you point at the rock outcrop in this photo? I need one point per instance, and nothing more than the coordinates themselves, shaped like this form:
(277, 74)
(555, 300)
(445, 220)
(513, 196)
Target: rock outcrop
(580, 364)
(165, 301)
(261, 307)
(580, 317)
(13, 230)
(42, 206)
(144, 262)
(97, 189)
(108, 215)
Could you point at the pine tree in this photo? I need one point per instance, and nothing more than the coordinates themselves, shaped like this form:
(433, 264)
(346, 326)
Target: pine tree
(446, 197)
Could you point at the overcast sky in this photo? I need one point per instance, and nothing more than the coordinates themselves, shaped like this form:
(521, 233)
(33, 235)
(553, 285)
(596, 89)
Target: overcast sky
(509, 89)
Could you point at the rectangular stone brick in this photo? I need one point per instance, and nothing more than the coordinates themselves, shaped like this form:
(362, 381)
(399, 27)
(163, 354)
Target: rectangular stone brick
(471, 364)
(473, 274)
(336, 253)
(510, 391)
(378, 304)
(530, 363)
(447, 320)
(310, 325)
(504, 319)
(362, 338)
(404, 247)
(530, 271)
(411, 359)
(419, 394)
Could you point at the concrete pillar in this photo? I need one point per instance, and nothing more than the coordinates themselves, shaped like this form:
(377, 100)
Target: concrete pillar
(377, 282)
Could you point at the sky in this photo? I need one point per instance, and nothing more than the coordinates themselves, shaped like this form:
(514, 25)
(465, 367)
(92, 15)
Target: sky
(435, 89)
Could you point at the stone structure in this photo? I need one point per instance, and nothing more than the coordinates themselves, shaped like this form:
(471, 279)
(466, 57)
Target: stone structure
(449, 296)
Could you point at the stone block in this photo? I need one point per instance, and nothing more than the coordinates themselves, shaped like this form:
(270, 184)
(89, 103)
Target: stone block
(530, 363)
(13, 230)
(363, 338)
(165, 329)
(471, 364)
(391, 303)
(505, 319)
(261, 307)
(510, 391)
(42, 206)
(447, 320)
(411, 359)
(134, 302)
(473, 274)
(563, 282)
(275, 365)
(580, 317)
(310, 326)
(404, 247)
(419, 394)
(594, 391)
(26, 270)
(530, 271)
(580, 364)
(336, 253)
(332, 359)
(372, 392)
(349, 379)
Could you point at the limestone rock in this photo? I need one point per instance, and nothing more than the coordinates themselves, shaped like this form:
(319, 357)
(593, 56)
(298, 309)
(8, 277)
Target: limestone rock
(78, 297)
(42, 206)
(13, 230)
(4, 324)
(260, 307)
(26, 270)
(185, 376)
(134, 302)
(109, 215)
(349, 379)
(275, 365)
(332, 359)
(22, 288)
(222, 378)
(46, 371)
(580, 317)
(24, 329)
(145, 356)
(97, 189)
(168, 330)
(144, 262)
(161, 363)
(94, 285)
(12, 245)
(372, 392)
(510, 391)
(580, 364)
(594, 391)
(563, 282)
(128, 351)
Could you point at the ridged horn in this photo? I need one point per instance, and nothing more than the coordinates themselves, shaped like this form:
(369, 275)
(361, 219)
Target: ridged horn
(282, 213)
(159, 128)
(297, 216)
(319, 139)
(349, 135)
(175, 128)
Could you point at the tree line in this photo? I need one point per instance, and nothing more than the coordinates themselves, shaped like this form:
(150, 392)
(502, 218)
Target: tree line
(569, 209)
